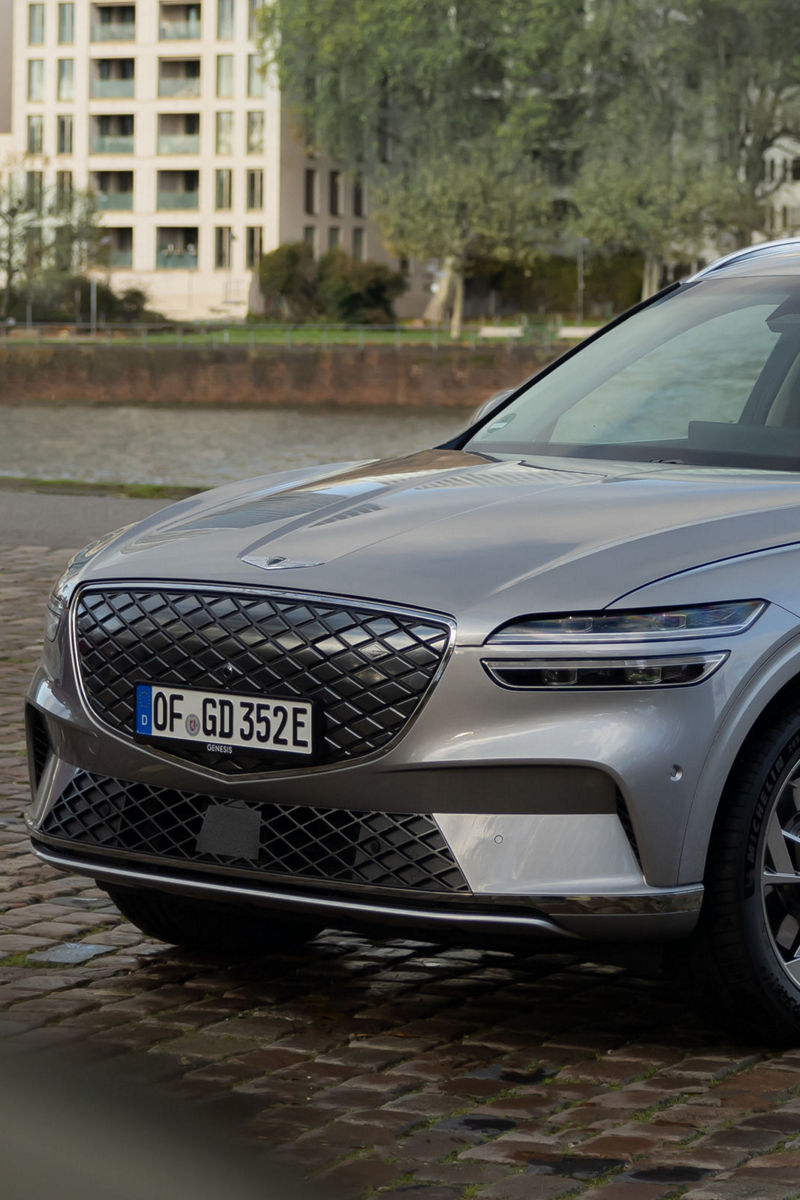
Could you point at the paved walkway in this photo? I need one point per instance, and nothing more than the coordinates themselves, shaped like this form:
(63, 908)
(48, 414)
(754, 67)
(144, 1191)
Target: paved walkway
(398, 1069)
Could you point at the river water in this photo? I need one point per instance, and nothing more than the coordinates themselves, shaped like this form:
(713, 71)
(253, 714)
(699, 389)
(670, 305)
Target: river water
(203, 447)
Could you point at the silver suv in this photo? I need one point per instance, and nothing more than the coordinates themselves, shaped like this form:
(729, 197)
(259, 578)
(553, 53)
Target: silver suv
(541, 682)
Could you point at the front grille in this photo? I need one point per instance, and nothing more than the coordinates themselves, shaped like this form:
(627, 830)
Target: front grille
(366, 669)
(374, 849)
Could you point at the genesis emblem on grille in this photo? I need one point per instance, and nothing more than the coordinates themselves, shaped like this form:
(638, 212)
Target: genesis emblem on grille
(365, 668)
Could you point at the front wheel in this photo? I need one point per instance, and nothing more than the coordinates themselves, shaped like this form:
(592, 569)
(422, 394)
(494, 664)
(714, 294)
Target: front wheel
(195, 924)
(745, 952)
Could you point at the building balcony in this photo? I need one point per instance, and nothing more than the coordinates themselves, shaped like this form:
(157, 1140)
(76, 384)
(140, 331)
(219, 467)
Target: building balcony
(112, 89)
(171, 260)
(119, 31)
(120, 258)
(176, 200)
(111, 143)
(173, 31)
(179, 143)
(114, 201)
(168, 86)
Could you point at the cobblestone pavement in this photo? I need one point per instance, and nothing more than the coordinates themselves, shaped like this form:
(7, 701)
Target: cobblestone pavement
(399, 1069)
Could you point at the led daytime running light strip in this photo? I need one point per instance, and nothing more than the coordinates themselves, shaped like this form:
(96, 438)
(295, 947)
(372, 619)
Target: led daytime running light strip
(565, 674)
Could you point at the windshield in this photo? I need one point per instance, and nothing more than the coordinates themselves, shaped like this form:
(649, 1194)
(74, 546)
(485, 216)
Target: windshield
(707, 375)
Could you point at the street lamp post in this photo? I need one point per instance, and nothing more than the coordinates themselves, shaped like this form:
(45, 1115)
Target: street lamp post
(582, 243)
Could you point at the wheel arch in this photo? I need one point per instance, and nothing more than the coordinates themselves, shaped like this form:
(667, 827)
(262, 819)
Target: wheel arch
(746, 723)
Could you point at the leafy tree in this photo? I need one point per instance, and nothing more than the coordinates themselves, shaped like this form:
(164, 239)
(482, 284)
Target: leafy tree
(337, 287)
(443, 107)
(288, 278)
(683, 100)
(749, 59)
(45, 236)
(358, 293)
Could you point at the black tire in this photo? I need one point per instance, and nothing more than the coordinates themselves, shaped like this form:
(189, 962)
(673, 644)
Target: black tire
(745, 953)
(227, 929)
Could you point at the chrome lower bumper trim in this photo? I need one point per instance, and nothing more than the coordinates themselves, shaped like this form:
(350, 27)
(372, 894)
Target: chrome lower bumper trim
(549, 914)
(211, 889)
(651, 902)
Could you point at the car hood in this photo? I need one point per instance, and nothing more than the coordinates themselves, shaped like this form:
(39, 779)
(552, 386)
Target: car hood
(484, 539)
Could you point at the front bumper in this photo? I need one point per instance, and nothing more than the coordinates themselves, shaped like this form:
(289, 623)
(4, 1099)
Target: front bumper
(560, 813)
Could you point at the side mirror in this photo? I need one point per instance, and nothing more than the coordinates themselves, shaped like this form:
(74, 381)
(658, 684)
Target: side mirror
(488, 406)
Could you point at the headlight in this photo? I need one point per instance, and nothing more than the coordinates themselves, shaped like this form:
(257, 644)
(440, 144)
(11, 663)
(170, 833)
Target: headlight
(724, 619)
(59, 598)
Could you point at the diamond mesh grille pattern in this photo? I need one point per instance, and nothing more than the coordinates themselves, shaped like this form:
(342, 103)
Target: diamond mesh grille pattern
(379, 850)
(367, 670)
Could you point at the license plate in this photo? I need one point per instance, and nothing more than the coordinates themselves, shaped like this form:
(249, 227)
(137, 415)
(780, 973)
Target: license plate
(223, 722)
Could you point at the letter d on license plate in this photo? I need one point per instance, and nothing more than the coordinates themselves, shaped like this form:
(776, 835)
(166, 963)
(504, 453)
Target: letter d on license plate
(220, 719)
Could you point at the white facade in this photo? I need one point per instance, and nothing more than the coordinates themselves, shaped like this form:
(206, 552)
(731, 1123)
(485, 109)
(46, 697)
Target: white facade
(160, 109)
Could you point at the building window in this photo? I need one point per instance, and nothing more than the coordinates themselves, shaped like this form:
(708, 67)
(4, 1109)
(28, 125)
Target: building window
(225, 75)
(796, 168)
(223, 240)
(35, 139)
(176, 248)
(358, 198)
(310, 191)
(119, 252)
(255, 80)
(252, 247)
(36, 79)
(254, 10)
(310, 236)
(35, 24)
(358, 243)
(66, 79)
(255, 132)
(223, 189)
(334, 193)
(34, 189)
(224, 138)
(225, 20)
(255, 189)
(66, 24)
(333, 237)
(64, 135)
(63, 190)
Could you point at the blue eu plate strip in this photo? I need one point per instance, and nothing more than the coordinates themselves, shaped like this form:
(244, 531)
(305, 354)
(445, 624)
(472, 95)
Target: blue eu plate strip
(144, 708)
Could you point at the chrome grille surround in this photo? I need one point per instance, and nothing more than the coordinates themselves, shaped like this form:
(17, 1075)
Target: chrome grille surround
(368, 667)
(377, 850)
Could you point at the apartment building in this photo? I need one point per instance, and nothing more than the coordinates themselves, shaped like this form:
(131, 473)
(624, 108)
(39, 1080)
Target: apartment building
(161, 109)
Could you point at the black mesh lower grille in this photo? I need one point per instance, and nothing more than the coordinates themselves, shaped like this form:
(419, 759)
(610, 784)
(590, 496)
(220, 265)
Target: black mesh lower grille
(365, 669)
(375, 849)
